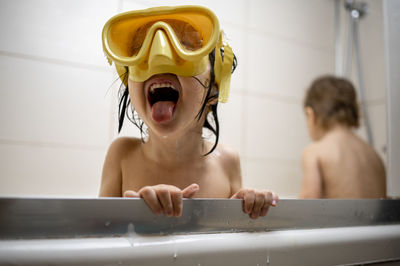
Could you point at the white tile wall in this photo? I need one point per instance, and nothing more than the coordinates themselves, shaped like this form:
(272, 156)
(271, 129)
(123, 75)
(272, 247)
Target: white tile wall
(58, 107)
(45, 169)
(372, 52)
(308, 22)
(44, 102)
(66, 30)
(274, 129)
(230, 116)
(282, 176)
(284, 68)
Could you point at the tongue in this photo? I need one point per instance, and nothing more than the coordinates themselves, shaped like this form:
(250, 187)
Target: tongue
(162, 111)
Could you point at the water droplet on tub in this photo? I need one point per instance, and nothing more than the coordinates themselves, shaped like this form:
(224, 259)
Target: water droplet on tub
(131, 228)
(175, 256)
(107, 223)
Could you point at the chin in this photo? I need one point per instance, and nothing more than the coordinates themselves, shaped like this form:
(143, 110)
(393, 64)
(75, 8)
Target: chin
(164, 131)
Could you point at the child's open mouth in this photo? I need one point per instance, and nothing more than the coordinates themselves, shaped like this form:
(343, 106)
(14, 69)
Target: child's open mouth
(162, 98)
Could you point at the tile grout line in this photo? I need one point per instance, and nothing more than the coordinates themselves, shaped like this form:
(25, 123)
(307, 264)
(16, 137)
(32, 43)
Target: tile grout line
(55, 145)
(272, 159)
(53, 61)
(295, 100)
(279, 37)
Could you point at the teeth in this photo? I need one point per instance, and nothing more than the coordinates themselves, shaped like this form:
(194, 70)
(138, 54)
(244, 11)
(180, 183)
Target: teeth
(161, 85)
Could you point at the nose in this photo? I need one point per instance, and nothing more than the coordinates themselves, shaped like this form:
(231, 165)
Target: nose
(161, 53)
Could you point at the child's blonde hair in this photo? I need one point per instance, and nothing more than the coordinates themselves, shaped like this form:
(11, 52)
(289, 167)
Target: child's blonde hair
(334, 101)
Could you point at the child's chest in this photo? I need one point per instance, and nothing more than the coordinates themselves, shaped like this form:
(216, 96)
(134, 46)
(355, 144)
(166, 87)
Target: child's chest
(209, 175)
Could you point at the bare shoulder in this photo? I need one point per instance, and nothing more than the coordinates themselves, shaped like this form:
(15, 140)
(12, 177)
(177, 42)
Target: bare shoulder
(228, 155)
(111, 180)
(312, 151)
(123, 145)
(311, 156)
(230, 161)
(312, 179)
(119, 149)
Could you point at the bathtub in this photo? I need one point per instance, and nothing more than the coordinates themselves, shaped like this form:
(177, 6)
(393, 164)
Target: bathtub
(116, 231)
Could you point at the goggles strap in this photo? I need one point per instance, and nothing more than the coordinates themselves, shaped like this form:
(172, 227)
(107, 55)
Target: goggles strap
(223, 69)
(121, 72)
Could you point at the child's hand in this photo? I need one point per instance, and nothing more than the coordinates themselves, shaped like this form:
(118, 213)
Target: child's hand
(256, 202)
(165, 199)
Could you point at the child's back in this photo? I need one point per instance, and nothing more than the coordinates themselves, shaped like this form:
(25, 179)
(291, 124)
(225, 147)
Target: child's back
(338, 164)
(349, 167)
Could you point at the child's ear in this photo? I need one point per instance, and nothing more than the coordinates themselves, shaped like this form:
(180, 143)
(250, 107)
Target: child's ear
(310, 114)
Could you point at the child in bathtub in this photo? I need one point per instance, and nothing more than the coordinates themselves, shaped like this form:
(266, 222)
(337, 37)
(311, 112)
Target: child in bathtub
(176, 69)
(338, 164)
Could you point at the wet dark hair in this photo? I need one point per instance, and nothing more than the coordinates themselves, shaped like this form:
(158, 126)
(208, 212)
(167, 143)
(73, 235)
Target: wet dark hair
(333, 100)
(211, 122)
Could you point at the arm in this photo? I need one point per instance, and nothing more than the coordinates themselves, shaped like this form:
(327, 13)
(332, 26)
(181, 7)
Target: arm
(312, 178)
(160, 198)
(235, 172)
(111, 180)
(256, 202)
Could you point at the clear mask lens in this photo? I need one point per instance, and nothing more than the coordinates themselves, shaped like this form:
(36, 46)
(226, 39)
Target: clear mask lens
(189, 38)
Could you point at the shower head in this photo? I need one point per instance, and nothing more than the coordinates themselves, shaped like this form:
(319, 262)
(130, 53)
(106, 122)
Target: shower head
(356, 8)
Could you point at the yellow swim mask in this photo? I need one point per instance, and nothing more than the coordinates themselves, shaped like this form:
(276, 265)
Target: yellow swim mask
(168, 40)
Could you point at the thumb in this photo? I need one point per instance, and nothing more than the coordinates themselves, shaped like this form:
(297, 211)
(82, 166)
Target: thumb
(131, 194)
(238, 195)
(189, 191)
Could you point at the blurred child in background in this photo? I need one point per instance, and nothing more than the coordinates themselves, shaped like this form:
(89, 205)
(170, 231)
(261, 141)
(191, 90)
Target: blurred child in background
(338, 164)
